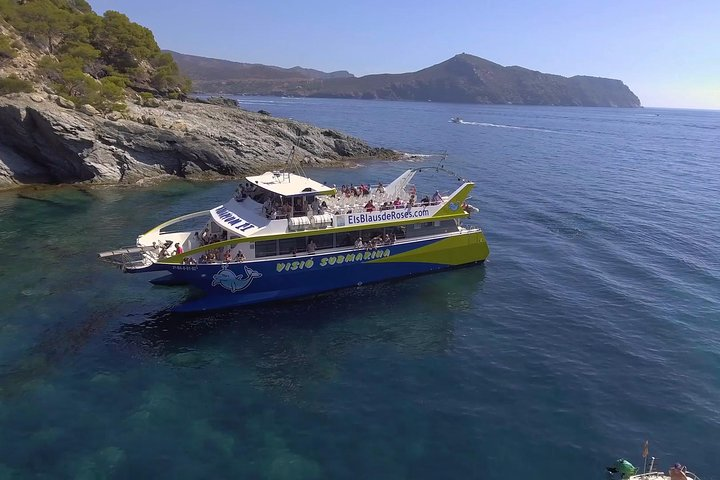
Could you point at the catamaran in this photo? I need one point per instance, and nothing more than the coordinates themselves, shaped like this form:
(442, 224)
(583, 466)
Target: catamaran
(283, 235)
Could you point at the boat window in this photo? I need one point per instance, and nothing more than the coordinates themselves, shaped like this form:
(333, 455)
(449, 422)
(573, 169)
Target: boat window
(432, 228)
(345, 239)
(322, 241)
(400, 232)
(267, 248)
(287, 245)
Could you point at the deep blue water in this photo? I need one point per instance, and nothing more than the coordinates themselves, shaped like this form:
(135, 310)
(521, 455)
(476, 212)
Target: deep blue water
(593, 326)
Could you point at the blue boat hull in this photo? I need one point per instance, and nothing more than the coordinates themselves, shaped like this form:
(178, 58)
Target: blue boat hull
(246, 283)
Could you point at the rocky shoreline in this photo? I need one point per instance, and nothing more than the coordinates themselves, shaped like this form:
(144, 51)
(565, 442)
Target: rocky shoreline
(44, 139)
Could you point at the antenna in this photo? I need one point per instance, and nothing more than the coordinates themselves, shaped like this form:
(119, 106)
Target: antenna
(296, 166)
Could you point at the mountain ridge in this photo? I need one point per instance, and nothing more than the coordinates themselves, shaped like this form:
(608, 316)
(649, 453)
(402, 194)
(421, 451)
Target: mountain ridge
(463, 78)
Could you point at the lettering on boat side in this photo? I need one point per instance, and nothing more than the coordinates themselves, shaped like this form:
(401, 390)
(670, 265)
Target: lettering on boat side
(352, 257)
(233, 220)
(185, 267)
(385, 215)
(227, 279)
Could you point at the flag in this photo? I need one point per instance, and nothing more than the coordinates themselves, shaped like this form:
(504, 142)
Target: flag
(645, 449)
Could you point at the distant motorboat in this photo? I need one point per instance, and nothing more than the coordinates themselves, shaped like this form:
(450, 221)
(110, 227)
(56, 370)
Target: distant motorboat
(456, 120)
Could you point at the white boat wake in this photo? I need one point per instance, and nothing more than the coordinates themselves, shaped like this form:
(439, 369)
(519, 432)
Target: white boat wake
(513, 127)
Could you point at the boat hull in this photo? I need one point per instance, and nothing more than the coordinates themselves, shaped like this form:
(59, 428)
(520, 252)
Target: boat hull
(247, 283)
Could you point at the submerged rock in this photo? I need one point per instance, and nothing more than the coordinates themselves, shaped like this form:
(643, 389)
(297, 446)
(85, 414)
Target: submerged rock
(54, 143)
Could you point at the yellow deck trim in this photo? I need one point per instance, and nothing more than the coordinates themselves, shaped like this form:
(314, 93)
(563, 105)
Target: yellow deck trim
(177, 259)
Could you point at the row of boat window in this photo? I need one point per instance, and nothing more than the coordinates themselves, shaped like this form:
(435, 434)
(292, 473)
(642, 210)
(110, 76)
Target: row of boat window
(284, 246)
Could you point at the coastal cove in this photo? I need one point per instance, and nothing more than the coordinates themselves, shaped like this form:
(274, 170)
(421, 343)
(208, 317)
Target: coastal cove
(591, 327)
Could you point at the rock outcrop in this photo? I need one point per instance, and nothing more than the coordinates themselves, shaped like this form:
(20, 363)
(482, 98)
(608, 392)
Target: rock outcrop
(44, 140)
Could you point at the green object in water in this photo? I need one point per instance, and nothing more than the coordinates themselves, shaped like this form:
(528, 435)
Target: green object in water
(625, 468)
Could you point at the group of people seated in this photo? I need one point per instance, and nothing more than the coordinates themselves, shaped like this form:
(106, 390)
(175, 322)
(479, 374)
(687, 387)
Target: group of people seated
(206, 238)
(275, 210)
(215, 256)
(370, 206)
(376, 241)
(244, 190)
(355, 191)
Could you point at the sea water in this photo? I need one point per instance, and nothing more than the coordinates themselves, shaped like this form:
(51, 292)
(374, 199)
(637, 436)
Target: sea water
(593, 326)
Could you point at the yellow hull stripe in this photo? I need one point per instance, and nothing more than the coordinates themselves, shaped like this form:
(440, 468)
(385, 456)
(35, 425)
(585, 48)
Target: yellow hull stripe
(454, 250)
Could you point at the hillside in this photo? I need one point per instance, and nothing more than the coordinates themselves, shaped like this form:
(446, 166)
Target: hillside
(463, 78)
(214, 75)
(64, 47)
(88, 98)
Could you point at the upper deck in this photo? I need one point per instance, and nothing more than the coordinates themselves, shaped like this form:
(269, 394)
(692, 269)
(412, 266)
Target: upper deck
(279, 203)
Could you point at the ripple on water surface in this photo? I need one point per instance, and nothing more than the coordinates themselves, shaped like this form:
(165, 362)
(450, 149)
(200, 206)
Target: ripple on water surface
(591, 327)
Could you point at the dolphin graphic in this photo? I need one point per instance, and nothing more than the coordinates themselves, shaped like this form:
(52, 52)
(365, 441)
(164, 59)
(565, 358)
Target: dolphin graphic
(227, 279)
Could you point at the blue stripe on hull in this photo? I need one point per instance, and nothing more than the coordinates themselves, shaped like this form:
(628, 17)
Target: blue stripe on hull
(312, 283)
(255, 282)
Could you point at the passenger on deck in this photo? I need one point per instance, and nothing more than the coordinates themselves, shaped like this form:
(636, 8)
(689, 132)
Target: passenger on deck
(369, 206)
(359, 243)
(228, 257)
(203, 258)
(205, 236)
(437, 198)
(311, 247)
(386, 239)
(239, 257)
(677, 472)
(178, 249)
(397, 203)
(380, 188)
(411, 202)
(323, 208)
(425, 201)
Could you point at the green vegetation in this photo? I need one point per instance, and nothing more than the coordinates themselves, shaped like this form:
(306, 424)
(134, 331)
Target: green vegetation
(13, 84)
(89, 58)
(7, 50)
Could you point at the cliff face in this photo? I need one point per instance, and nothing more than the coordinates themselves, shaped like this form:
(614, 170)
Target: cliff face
(44, 142)
(461, 79)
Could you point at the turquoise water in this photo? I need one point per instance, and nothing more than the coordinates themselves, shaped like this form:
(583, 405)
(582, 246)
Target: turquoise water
(592, 327)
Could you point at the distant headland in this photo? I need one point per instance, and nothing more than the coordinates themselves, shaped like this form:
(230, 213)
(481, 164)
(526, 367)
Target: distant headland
(463, 78)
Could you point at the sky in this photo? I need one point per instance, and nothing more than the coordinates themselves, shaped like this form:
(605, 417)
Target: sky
(666, 51)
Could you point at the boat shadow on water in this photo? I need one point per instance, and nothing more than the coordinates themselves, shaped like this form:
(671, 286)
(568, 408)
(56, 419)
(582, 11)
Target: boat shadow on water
(289, 346)
(425, 303)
